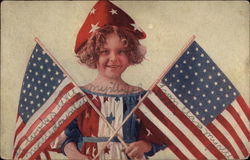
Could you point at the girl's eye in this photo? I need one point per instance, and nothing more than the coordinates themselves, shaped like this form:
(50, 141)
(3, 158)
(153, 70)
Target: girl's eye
(122, 51)
(104, 51)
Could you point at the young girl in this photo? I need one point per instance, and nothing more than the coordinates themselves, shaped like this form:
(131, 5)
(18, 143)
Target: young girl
(110, 49)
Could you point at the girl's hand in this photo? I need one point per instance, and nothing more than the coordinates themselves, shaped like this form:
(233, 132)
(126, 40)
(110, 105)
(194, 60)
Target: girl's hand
(137, 149)
(72, 153)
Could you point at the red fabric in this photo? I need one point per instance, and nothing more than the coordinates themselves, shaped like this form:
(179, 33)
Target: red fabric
(88, 122)
(101, 14)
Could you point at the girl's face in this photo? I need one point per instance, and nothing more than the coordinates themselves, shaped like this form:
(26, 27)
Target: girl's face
(112, 60)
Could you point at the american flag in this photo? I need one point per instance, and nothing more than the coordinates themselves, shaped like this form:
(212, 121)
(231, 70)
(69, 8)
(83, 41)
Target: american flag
(197, 111)
(49, 101)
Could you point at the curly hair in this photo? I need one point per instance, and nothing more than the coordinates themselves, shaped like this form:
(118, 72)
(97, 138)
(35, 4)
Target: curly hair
(90, 50)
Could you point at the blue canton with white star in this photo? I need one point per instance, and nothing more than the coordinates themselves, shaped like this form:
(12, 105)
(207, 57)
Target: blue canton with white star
(200, 85)
(41, 78)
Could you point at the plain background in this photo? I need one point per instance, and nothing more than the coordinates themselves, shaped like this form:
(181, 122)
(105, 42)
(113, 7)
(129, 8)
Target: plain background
(221, 28)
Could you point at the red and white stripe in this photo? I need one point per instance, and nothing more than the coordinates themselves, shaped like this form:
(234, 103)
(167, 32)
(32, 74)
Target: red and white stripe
(25, 145)
(229, 131)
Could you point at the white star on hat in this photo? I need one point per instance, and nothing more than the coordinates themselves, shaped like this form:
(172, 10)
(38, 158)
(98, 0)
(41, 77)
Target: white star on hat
(136, 27)
(93, 11)
(94, 27)
(113, 11)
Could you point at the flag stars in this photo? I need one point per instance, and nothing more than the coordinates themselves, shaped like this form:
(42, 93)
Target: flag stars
(46, 61)
(202, 55)
(189, 92)
(198, 89)
(192, 107)
(188, 52)
(189, 67)
(234, 93)
(200, 104)
(209, 101)
(44, 99)
(210, 77)
(215, 83)
(180, 95)
(31, 102)
(46, 84)
(203, 95)
(213, 68)
(214, 107)
(184, 62)
(49, 70)
(197, 113)
(218, 74)
(174, 90)
(221, 89)
(177, 80)
(41, 67)
(38, 81)
(201, 80)
(203, 118)
(194, 98)
(229, 87)
(183, 86)
(195, 73)
(217, 98)
(57, 73)
(181, 71)
(198, 64)
(208, 61)
(197, 49)
(44, 76)
(192, 83)
(37, 96)
(34, 64)
(59, 81)
(186, 76)
(32, 110)
(36, 73)
(30, 94)
(173, 75)
(224, 80)
(176, 66)
(204, 70)
(226, 95)
(207, 86)
(28, 86)
(193, 58)
(205, 110)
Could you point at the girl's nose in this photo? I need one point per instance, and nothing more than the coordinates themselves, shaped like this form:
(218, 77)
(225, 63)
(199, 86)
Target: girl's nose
(113, 56)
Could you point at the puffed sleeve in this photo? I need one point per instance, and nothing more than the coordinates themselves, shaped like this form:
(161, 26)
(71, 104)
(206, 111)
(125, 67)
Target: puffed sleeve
(73, 133)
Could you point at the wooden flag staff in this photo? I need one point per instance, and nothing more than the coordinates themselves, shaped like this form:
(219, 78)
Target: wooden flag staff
(147, 93)
(89, 101)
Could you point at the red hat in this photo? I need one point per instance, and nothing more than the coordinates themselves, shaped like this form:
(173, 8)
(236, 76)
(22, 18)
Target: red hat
(106, 13)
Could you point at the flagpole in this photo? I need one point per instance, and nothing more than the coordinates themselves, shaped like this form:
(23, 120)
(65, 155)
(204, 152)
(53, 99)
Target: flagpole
(89, 101)
(148, 92)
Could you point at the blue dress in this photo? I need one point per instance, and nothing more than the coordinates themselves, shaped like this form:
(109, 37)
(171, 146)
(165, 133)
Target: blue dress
(90, 132)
